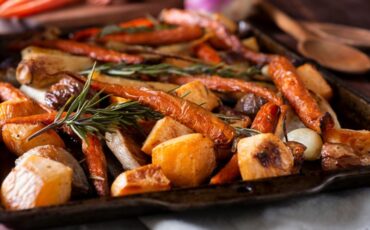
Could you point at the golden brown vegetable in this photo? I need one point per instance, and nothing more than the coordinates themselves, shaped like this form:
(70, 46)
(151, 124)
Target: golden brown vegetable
(55, 153)
(229, 173)
(186, 160)
(266, 118)
(96, 162)
(207, 53)
(9, 92)
(15, 137)
(164, 129)
(197, 93)
(157, 37)
(263, 156)
(92, 51)
(149, 178)
(288, 82)
(10, 109)
(36, 182)
(230, 85)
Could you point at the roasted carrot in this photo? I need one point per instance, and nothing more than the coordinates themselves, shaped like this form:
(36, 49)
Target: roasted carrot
(24, 8)
(207, 53)
(288, 82)
(183, 17)
(96, 162)
(185, 112)
(230, 85)
(265, 122)
(9, 92)
(266, 118)
(93, 51)
(92, 32)
(157, 37)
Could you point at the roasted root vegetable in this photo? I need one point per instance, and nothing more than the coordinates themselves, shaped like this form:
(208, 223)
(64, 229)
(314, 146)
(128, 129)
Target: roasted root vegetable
(310, 139)
(41, 67)
(125, 149)
(164, 129)
(314, 81)
(92, 51)
(263, 156)
(157, 37)
(96, 162)
(36, 181)
(55, 153)
(187, 160)
(288, 82)
(9, 92)
(251, 43)
(266, 118)
(198, 93)
(15, 137)
(149, 178)
(207, 53)
(10, 109)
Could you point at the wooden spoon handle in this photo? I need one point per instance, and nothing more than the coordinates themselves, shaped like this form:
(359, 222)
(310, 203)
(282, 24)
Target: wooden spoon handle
(286, 23)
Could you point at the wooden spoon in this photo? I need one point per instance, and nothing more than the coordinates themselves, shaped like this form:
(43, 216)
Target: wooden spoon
(330, 54)
(349, 35)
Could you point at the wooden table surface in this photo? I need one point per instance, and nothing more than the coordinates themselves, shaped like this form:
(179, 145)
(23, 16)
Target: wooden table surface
(347, 12)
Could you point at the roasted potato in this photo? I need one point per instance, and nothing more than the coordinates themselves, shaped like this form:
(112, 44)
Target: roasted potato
(313, 80)
(263, 156)
(15, 137)
(187, 160)
(34, 182)
(125, 149)
(148, 178)
(165, 129)
(79, 179)
(11, 109)
(197, 93)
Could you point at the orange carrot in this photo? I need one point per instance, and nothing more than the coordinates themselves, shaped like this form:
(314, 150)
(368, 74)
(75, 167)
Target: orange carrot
(207, 53)
(9, 92)
(96, 162)
(24, 8)
(91, 32)
(157, 37)
(93, 51)
(228, 173)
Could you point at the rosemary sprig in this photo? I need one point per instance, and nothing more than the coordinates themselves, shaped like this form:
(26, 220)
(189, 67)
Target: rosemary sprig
(135, 70)
(84, 117)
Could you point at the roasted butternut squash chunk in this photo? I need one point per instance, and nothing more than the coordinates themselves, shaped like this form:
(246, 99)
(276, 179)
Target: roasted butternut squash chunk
(197, 93)
(165, 129)
(187, 160)
(35, 182)
(15, 137)
(149, 178)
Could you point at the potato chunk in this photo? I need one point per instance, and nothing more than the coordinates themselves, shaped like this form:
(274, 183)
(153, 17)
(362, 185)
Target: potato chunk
(79, 179)
(197, 93)
(36, 182)
(149, 178)
(262, 156)
(10, 109)
(165, 129)
(187, 160)
(313, 80)
(15, 137)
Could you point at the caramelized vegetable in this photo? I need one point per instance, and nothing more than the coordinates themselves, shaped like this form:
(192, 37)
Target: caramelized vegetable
(230, 85)
(186, 160)
(93, 51)
(9, 92)
(157, 37)
(207, 53)
(36, 182)
(10, 109)
(95, 160)
(286, 79)
(262, 156)
(149, 178)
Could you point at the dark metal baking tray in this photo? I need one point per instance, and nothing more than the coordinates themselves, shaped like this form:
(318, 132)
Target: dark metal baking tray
(354, 112)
